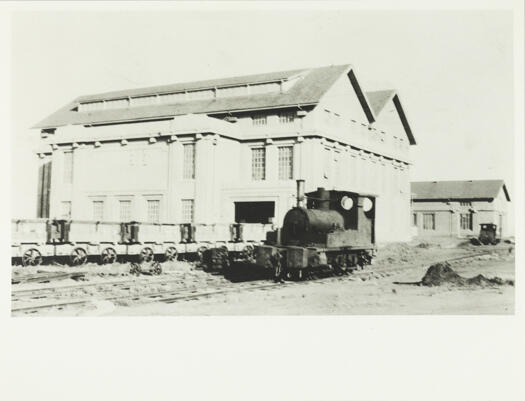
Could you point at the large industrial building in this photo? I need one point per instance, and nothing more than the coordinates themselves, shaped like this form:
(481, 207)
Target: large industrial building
(227, 150)
(458, 208)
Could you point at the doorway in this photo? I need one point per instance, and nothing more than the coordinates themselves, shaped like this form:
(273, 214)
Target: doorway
(254, 212)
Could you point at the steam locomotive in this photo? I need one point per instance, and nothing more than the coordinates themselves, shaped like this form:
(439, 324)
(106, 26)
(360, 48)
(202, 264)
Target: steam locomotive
(335, 231)
(328, 230)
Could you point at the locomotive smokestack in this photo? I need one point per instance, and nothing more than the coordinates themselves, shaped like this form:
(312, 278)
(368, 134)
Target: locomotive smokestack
(300, 193)
(323, 197)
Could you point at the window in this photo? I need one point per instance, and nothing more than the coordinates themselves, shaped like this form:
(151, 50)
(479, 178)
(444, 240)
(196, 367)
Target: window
(414, 219)
(189, 161)
(172, 97)
(285, 162)
(187, 210)
(258, 163)
(66, 210)
(327, 163)
(125, 210)
(287, 118)
(232, 91)
(144, 100)
(429, 221)
(98, 210)
(465, 203)
(265, 88)
(259, 120)
(91, 106)
(466, 221)
(153, 210)
(117, 104)
(68, 167)
(201, 94)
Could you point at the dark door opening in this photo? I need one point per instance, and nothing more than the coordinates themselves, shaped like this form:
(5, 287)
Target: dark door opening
(254, 212)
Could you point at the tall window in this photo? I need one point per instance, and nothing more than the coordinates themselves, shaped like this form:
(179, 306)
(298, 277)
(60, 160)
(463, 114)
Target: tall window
(466, 221)
(187, 210)
(414, 219)
(189, 161)
(154, 210)
(259, 120)
(258, 163)
(66, 209)
(285, 162)
(125, 210)
(327, 162)
(98, 210)
(68, 167)
(429, 221)
(287, 118)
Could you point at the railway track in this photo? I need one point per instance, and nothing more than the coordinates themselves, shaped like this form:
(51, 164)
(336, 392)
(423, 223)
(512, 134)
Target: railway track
(184, 292)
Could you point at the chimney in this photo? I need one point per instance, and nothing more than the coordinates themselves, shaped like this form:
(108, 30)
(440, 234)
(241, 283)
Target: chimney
(300, 193)
(323, 198)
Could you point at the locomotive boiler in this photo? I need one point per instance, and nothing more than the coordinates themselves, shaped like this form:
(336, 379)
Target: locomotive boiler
(328, 229)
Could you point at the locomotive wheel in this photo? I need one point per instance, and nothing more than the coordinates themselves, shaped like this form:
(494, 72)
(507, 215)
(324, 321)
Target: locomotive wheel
(108, 255)
(247, 252)
(171, 254)
(146, 254)
(31, 257)
(78, 257)
(296, 274)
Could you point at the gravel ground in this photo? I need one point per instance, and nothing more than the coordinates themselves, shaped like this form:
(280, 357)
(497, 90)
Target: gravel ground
(376, 295)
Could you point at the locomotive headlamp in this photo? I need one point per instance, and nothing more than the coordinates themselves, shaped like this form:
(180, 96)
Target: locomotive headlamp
(347, 203)
(367, 204)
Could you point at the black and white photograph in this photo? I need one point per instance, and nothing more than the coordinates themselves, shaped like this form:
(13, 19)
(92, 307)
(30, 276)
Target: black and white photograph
(228, 160)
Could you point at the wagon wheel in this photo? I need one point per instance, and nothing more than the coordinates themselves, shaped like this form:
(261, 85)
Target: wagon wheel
(78, 257)
(225, 256)
(31, 257)
(146, 254)
(200, 254)
(171, 253)
(156, 268)
(108, 255)
(135, 269)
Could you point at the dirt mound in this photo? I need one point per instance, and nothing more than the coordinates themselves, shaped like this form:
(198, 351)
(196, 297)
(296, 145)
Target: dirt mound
(442, 273)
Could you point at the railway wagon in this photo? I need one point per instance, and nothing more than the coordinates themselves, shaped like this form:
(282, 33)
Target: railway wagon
(34, 240)
(334, 231)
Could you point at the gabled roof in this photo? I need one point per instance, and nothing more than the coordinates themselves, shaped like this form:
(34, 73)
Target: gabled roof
(308, 89)
(473, 189)
(378, 101)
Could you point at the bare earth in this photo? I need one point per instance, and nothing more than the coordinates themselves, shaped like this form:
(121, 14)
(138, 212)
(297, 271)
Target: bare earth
(371, 297)
(389, 290)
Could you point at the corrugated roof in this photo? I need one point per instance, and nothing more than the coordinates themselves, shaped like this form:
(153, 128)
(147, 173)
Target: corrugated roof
(473, 189)
(308, 90)
(378, 99)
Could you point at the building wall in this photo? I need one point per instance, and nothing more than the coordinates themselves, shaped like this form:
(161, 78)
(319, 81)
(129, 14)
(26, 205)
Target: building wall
(448, 216)
(333, 147)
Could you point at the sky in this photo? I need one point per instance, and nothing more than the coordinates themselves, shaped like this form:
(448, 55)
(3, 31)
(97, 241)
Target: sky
(453, 70)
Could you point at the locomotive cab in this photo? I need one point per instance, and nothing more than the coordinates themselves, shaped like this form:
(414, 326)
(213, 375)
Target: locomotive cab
(331, 219)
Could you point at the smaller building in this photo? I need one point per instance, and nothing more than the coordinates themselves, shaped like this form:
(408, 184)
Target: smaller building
(457, 208)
